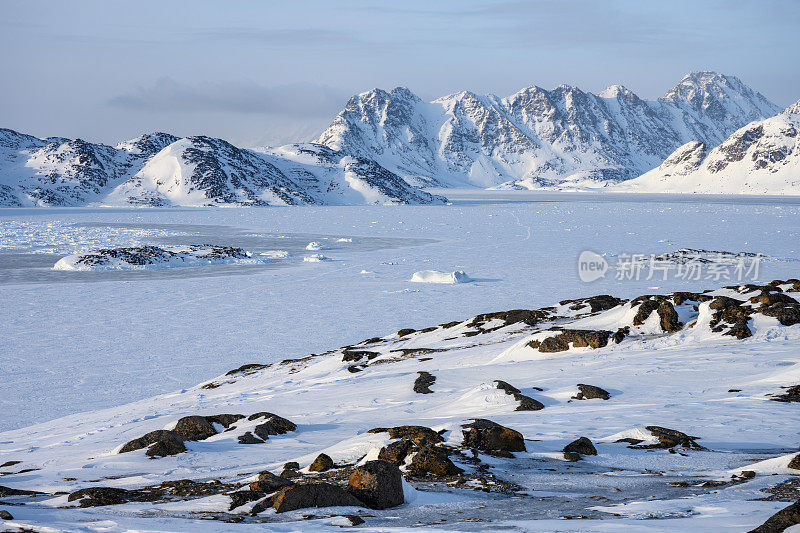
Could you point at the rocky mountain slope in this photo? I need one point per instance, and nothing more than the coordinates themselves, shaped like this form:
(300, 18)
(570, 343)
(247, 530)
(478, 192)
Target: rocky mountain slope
(663, 412)
(760, 158)
(536, 137)
(161, 169)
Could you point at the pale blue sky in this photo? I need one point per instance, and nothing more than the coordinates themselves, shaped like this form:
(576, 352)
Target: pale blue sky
(264, 72)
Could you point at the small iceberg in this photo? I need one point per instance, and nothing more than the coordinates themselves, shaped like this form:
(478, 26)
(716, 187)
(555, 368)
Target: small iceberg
(315, 246)
(314, 258)
(434, 276)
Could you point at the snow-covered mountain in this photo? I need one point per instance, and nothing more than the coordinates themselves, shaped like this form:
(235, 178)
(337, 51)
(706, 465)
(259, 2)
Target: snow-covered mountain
(760, 158)
(160, 169)
(537, 137)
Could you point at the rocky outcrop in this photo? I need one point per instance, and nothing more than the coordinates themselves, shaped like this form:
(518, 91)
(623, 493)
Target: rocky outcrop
(311, 495)
(99, 496)
(159, 443)
(379, 484)
(590, 392)
(322, 463)
(526, 403)
(422, 385)
(575, 449)
(432, 461)
(486, 435)
(780, 521)
(572, 338)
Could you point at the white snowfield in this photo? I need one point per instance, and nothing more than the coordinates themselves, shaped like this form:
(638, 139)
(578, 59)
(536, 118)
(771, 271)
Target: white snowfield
(676, 365)
(435, 276)
(760, 158)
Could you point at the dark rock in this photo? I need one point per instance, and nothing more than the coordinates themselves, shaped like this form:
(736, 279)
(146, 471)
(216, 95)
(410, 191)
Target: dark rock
(526, 403)
(249, 438)
(99, 496)
(194, 428)
(419, 435)
(620, 335)
(582, 446)
(355, 520)
(486, 435)
(5, 515)
(588, 392)
(225, 420)
(514, 316)
(357, 355)
(406, 331)
(194, 489)
(572, 457)
(601, 302)
(728, 312)
(506, 387)
(792, 394)
(379, 484)
(322, 463)
(670, 438)
(9, 463)
(281, 425)
(780, 521)
(666, 312)
(269, 482)
(175, 441)
(291, 465)
(395, 452)
(430, 460)
(165, 446)
(8, 491)
(787, 314)
(580, 338)
(241, 497)
(251, 367)
(795, 462)
(313, 495)
(422, 385)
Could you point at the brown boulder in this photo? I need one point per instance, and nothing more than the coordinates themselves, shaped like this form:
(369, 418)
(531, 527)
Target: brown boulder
(486, 435)
(379, 484)
(322, 463)
(795, 462)
(99, 496)
(313, 495)
(249, 438)
(268, 482)
(194, 428)
(581, 446)
(395, 452)
(5, 515)
(433, 461)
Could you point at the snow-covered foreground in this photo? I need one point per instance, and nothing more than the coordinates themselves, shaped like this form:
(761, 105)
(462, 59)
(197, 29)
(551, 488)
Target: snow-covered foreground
(674, 364)
(126, 336)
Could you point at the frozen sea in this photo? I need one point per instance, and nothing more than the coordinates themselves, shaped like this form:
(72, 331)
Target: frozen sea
(79, 341)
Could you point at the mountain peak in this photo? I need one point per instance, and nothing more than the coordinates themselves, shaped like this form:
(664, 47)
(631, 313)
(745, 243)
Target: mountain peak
(793, 109)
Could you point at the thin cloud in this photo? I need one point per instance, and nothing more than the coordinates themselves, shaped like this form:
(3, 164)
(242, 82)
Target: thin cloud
(293, 100)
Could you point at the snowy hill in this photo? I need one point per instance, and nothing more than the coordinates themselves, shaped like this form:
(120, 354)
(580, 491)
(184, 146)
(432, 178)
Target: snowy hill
(536, 137)
(760, 158)
(653, 414)
(160, 169)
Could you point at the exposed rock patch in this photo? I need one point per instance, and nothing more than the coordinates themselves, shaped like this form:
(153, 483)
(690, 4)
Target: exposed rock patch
(422, 385)
(322, 463)
(486, 435)
(379, 484)
(526, 403)
(780, 521)
(589, 392)
(579, 338)
(578, 447)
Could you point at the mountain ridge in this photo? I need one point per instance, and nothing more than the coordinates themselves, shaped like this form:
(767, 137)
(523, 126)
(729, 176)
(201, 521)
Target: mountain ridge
(547, 137)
